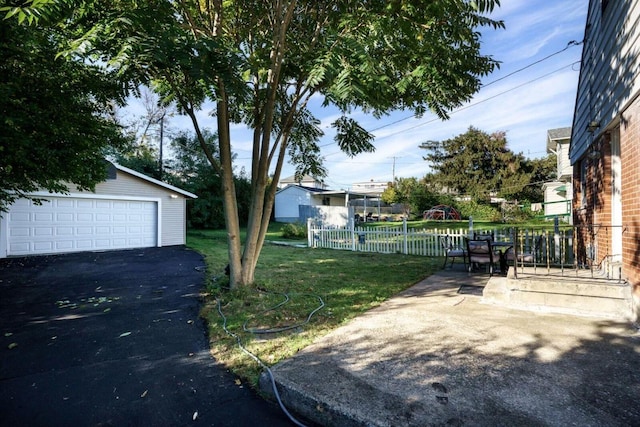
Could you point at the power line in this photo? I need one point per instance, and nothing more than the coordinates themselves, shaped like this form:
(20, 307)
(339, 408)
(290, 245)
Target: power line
(569, 44)
(461, 108)
(486, 99)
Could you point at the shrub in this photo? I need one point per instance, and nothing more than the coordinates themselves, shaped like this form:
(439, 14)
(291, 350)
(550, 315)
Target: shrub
(294, 231)
(479, 211)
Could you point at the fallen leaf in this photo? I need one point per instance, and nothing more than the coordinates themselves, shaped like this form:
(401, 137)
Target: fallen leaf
(8, 334)
(54, 337)
(12, 345)
(144, 394)
(238, 382)
(195, 415)
(189, 321)
(125, 334)
(106, 310)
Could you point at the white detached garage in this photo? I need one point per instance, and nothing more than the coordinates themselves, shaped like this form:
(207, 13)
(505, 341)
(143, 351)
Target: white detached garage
(128, 210)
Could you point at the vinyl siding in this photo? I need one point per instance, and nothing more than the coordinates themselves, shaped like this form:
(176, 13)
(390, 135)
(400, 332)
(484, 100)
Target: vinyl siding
(608, 79)
(172, 210)
(287, 202)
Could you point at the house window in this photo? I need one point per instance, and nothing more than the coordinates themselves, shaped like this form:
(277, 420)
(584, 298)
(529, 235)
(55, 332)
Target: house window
(583, 183)
(326, 201)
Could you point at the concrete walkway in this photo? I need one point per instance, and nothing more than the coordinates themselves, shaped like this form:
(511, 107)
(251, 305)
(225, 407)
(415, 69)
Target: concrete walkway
(436, 355)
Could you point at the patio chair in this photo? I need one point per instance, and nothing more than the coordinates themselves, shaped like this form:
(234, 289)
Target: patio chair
(483, 236)
(525, 257)
(480, 252)
(452, 252)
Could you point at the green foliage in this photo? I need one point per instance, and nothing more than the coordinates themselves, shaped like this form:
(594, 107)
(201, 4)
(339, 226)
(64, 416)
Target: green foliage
(414, 195)
(139, 157)
(260, 62)
(294, 231)
(192, 172)
(514, 213)
(54, 113)
(540, 171)
(352, 138)
(476, 164)
(479, 211)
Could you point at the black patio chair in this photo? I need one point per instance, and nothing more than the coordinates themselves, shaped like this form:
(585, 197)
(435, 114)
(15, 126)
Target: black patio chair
(452, 252)
(480, 252)
(526, 257)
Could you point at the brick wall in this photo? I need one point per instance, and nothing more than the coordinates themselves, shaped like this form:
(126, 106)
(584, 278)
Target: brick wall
(597, 209)
(630, 156)
(593, 216)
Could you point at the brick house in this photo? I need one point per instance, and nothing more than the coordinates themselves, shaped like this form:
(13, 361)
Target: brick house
(605, 142)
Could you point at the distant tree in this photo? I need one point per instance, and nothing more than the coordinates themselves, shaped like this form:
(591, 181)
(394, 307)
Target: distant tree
(147, 137)
(138, 156)
(476, 164)
(412, 194)
(55, 120)
(539, 171)
(192, 172)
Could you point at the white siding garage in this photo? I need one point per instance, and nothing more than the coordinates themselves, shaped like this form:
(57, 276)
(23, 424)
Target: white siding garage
(128, 210)
(72, 224)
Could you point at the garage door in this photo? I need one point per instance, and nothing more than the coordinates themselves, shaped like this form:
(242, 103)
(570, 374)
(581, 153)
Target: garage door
(66, 224)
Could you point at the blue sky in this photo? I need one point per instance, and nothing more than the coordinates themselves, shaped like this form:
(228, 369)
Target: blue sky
(525, 105)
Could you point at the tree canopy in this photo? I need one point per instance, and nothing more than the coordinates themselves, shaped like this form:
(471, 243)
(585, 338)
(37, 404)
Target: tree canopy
(260, 62)
(54, 114)
(413, 194)
(476, 164)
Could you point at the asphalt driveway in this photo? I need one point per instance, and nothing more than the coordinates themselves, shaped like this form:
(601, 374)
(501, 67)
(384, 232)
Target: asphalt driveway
(114, 338)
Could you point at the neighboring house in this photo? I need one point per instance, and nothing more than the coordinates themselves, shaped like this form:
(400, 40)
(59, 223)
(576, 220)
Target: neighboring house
(289, 199)
(296, 203)
(127, 210)
(558, 194)
(557, 201)
(605, 141)
(306, 181)
(371, 188)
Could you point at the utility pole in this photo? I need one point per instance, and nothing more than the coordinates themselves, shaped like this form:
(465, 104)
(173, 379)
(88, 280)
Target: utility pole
(393, 170)
(161, 120)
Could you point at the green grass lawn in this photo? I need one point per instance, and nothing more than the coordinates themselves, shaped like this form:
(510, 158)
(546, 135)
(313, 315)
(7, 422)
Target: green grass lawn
(348, 283)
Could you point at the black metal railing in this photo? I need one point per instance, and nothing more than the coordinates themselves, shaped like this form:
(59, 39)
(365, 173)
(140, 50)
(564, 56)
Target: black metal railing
(567, 249)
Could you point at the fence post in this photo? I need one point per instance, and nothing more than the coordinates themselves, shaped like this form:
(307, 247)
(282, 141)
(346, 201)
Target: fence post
(310, 240)
(352, 229)
(404, 232)
(556, 238)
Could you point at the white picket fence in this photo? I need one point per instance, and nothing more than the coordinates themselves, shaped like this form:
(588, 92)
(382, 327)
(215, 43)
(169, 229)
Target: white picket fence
(552, 246)
(395, 239)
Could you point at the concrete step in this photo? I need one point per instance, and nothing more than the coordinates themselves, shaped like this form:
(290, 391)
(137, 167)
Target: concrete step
(568, 295)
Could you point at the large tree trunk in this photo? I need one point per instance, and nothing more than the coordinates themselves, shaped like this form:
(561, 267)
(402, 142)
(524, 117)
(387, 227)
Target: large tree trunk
(262, 203)
(236, 273)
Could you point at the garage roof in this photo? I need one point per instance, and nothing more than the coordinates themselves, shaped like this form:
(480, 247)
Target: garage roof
(154, 181)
